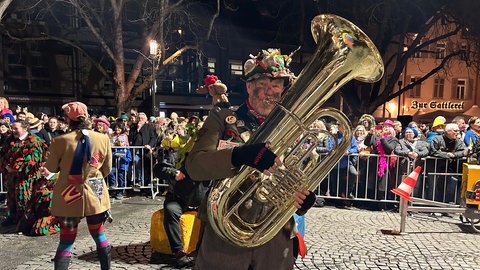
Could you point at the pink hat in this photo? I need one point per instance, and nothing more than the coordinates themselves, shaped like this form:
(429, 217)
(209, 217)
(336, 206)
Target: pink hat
(388, 122)
(75, 109)
(102, 120)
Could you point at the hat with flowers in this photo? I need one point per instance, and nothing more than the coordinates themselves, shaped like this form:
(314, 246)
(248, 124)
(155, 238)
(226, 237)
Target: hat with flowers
(269, 63)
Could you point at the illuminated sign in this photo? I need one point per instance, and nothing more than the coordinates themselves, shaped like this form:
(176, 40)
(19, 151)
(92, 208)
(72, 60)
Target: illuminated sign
(436, 105)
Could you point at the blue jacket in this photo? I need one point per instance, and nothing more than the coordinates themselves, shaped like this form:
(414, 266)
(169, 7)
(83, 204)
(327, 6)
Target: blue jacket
(123, 160)
(470, 137)
(344, 162)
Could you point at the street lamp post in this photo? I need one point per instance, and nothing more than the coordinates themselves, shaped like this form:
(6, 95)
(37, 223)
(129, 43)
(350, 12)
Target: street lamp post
(399, 96)
(153, 54)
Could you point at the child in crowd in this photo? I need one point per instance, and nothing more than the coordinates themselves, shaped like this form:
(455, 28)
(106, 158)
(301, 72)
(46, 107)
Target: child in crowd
(121, 160)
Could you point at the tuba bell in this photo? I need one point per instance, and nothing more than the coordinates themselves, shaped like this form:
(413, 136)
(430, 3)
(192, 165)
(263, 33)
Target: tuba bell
(250, 209)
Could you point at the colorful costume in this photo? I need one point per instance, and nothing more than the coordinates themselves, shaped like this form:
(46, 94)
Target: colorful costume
(28, 192)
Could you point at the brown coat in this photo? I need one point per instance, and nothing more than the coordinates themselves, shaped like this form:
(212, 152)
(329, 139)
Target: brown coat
(60, 159)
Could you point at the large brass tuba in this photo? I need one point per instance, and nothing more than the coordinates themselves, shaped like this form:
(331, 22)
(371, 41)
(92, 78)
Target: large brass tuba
(250, 208)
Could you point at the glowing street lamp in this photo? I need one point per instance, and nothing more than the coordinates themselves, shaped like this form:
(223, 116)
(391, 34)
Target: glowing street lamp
(153, 54)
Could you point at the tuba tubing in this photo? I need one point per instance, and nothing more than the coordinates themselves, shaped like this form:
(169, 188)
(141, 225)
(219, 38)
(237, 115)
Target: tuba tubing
(250, 209)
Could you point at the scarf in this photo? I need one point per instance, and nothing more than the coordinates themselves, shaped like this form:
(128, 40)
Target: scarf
(83, 148)
(254, 113)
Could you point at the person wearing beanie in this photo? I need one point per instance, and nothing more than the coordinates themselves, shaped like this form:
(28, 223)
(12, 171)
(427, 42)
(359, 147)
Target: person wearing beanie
(220, 151)
(83, 158)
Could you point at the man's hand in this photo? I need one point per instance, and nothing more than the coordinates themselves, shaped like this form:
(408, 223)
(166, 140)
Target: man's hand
(179, 176)
(44, 171)
(304, 199)
(258, 156)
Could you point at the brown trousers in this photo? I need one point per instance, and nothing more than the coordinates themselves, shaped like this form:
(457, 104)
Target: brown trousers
(214, 253)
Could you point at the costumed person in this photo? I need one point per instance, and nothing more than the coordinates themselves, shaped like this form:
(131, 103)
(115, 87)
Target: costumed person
(382, 140)
(83, 159)
(28, 192)
(101, 125)
(220, 152)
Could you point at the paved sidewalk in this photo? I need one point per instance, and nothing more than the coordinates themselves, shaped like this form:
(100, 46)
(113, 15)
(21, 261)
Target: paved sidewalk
(336, 239)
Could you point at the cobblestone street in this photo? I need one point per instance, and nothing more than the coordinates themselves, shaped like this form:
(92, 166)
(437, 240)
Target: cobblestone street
(336, 239)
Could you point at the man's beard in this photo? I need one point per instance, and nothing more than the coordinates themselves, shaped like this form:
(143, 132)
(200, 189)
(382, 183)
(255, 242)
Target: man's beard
(263, 106)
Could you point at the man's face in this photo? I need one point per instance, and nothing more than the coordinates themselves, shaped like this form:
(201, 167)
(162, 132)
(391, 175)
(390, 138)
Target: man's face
(142, 119)
(461, 124)
(409, 134)
(452, 133)
(21, 116)
(263, 89)
(18, 130)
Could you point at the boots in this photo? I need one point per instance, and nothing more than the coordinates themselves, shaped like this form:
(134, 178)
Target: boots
(104, 257)
(61, 262)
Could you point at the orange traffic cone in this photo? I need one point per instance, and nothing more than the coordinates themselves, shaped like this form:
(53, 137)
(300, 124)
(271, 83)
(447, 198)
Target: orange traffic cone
(405, 188)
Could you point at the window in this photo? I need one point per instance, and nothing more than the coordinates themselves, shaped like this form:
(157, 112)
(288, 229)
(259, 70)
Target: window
(211, 65)
(460, 89)
(463, 50)
(415, 91)
(440, 51)
(236, 67)
(438, 87)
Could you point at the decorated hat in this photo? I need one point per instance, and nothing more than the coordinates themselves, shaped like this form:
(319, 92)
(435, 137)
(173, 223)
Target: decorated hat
(102, 120)
(8, 114)
(34, 122)
(74, 110)
(269, 63)
(388, 122)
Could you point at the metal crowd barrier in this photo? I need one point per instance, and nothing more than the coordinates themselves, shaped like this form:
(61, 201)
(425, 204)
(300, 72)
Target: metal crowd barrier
(141, 166)
(440, 179)
(3, 189)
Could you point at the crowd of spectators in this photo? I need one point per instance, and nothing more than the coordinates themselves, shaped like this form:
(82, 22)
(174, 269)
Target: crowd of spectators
(377, 147)
(383, 153)
(149, 136)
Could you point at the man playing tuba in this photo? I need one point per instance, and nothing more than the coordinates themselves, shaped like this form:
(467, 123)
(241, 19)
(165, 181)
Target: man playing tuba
(220, 151)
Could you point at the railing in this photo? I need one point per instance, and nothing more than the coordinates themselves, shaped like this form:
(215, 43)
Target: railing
(439, 180)
(139, 174)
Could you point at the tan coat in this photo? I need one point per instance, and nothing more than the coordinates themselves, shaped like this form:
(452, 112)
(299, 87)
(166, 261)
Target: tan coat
(60, 159)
